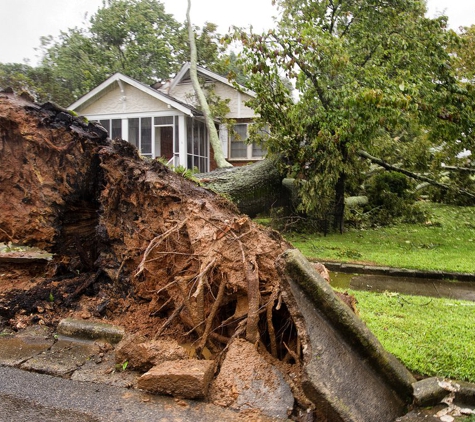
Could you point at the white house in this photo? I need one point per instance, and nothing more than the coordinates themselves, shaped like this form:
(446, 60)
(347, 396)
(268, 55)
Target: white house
(161, 121)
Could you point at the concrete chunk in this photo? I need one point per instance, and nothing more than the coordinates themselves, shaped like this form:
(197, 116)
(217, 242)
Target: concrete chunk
(187, 379)
(90, 330)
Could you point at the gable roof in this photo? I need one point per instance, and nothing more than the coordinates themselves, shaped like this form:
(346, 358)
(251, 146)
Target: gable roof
(118, 78)
(184, 76)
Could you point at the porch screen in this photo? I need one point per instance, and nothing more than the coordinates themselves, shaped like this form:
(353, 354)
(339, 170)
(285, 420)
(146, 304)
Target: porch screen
(113, 126)
(197, 145)
(140, 134)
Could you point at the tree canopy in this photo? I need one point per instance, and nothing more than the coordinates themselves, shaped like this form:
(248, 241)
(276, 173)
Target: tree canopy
(368, 75)
(134, 37)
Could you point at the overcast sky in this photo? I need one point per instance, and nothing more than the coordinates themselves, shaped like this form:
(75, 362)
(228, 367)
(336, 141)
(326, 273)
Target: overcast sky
(23, 22)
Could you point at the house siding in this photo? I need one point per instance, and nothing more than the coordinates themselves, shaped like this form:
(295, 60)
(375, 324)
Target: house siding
(115, 102)
(237, 107)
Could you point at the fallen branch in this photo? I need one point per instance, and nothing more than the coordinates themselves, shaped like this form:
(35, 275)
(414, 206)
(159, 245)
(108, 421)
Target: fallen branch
(460, 169)
(416, 176)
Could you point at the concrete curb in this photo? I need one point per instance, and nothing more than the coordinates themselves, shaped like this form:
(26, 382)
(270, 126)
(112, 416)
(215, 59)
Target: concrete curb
(345, 267)
(431, 391)
(342, 352)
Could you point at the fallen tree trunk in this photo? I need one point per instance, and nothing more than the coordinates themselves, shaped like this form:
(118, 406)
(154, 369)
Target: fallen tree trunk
(415, 176)
(254, 188)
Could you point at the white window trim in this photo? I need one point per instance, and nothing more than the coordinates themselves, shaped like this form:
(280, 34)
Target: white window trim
(249, 156)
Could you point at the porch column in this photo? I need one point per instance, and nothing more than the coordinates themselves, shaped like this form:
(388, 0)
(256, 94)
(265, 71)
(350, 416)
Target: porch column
(125, 129)
(182, 144)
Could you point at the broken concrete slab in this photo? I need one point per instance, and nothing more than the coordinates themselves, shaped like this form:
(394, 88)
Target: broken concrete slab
(431, 391)
(257, 385)
(187, 379)
(15, 350)
(62, 358)
(90, 330)
(103, 370)
(142, 354)
(349, 375)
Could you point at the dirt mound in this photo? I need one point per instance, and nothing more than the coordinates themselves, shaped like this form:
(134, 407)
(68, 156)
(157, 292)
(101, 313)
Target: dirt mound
(132, 242)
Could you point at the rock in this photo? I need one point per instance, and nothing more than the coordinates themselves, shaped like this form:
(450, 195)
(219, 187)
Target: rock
(142, 355)
(188, 379)
(90, 330)
(247, 381)
(428, 392)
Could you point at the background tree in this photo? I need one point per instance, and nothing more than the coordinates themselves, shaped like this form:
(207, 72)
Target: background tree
(137, 38)
(369, 75)
(134, 37)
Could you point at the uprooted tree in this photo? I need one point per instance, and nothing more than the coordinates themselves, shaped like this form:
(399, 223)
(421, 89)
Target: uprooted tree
(114, 219)
(132, 240)
(375, 76)
(138, 245)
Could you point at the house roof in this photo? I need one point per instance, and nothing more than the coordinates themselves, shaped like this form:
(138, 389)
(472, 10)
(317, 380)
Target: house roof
(119, 79)
(184, 75)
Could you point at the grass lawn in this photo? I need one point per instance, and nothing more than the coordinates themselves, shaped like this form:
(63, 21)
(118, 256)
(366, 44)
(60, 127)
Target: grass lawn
(431, 337)
(445, 242)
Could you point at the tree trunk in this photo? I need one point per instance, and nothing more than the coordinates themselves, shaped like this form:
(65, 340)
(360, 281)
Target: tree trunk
(213, 133)
(254, 188)
(339, 209)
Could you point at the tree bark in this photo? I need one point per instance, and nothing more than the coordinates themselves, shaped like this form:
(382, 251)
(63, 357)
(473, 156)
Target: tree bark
(213, 133)
(416, 176)
(254, 188)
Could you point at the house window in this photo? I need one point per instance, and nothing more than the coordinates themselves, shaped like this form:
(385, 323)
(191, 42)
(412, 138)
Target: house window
(140, 134)
(240, 149)
(238, 141)
(113, 126)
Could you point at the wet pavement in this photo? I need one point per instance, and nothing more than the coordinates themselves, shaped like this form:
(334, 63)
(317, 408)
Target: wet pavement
(47, 377)
(29, 396)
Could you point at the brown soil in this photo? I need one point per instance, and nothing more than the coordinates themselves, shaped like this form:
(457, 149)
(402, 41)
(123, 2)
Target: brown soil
(133, 243)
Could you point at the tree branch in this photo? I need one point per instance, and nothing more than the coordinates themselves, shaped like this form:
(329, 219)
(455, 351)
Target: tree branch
(416, 176)
(213, 133)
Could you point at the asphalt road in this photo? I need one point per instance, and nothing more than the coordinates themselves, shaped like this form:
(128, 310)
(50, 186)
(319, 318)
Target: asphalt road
(32, 397)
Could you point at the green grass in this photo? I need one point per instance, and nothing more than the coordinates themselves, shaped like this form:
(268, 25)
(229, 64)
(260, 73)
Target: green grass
(431, 337)
(445, 242)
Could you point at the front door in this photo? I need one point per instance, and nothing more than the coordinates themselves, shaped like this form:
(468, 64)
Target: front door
(164, 141)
